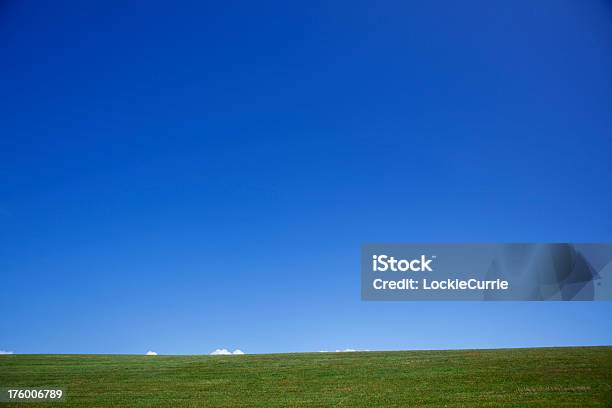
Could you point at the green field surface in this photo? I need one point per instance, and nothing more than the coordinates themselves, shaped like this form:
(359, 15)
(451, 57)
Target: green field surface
(545, 377)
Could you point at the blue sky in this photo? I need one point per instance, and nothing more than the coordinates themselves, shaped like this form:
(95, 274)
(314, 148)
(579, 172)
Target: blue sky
(198, 176)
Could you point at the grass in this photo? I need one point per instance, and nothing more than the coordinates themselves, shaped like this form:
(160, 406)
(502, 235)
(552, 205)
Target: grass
(545, 377)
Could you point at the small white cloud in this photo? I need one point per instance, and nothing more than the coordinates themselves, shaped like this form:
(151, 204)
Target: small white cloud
(221, 352)
(226, 352)
(151, 353)
(5, 352)
(345, 351)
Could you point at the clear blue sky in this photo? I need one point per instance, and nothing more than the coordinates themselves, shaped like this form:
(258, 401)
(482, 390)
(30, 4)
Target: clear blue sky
(185, 177)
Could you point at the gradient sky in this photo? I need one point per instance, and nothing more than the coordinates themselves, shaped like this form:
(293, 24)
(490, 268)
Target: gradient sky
(186, 177)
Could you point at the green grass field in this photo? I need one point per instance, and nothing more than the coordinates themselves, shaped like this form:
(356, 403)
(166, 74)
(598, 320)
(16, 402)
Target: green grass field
(548, 377)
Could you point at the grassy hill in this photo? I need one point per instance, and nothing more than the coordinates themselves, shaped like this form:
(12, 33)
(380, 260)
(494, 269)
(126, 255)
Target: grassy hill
(576, 376)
